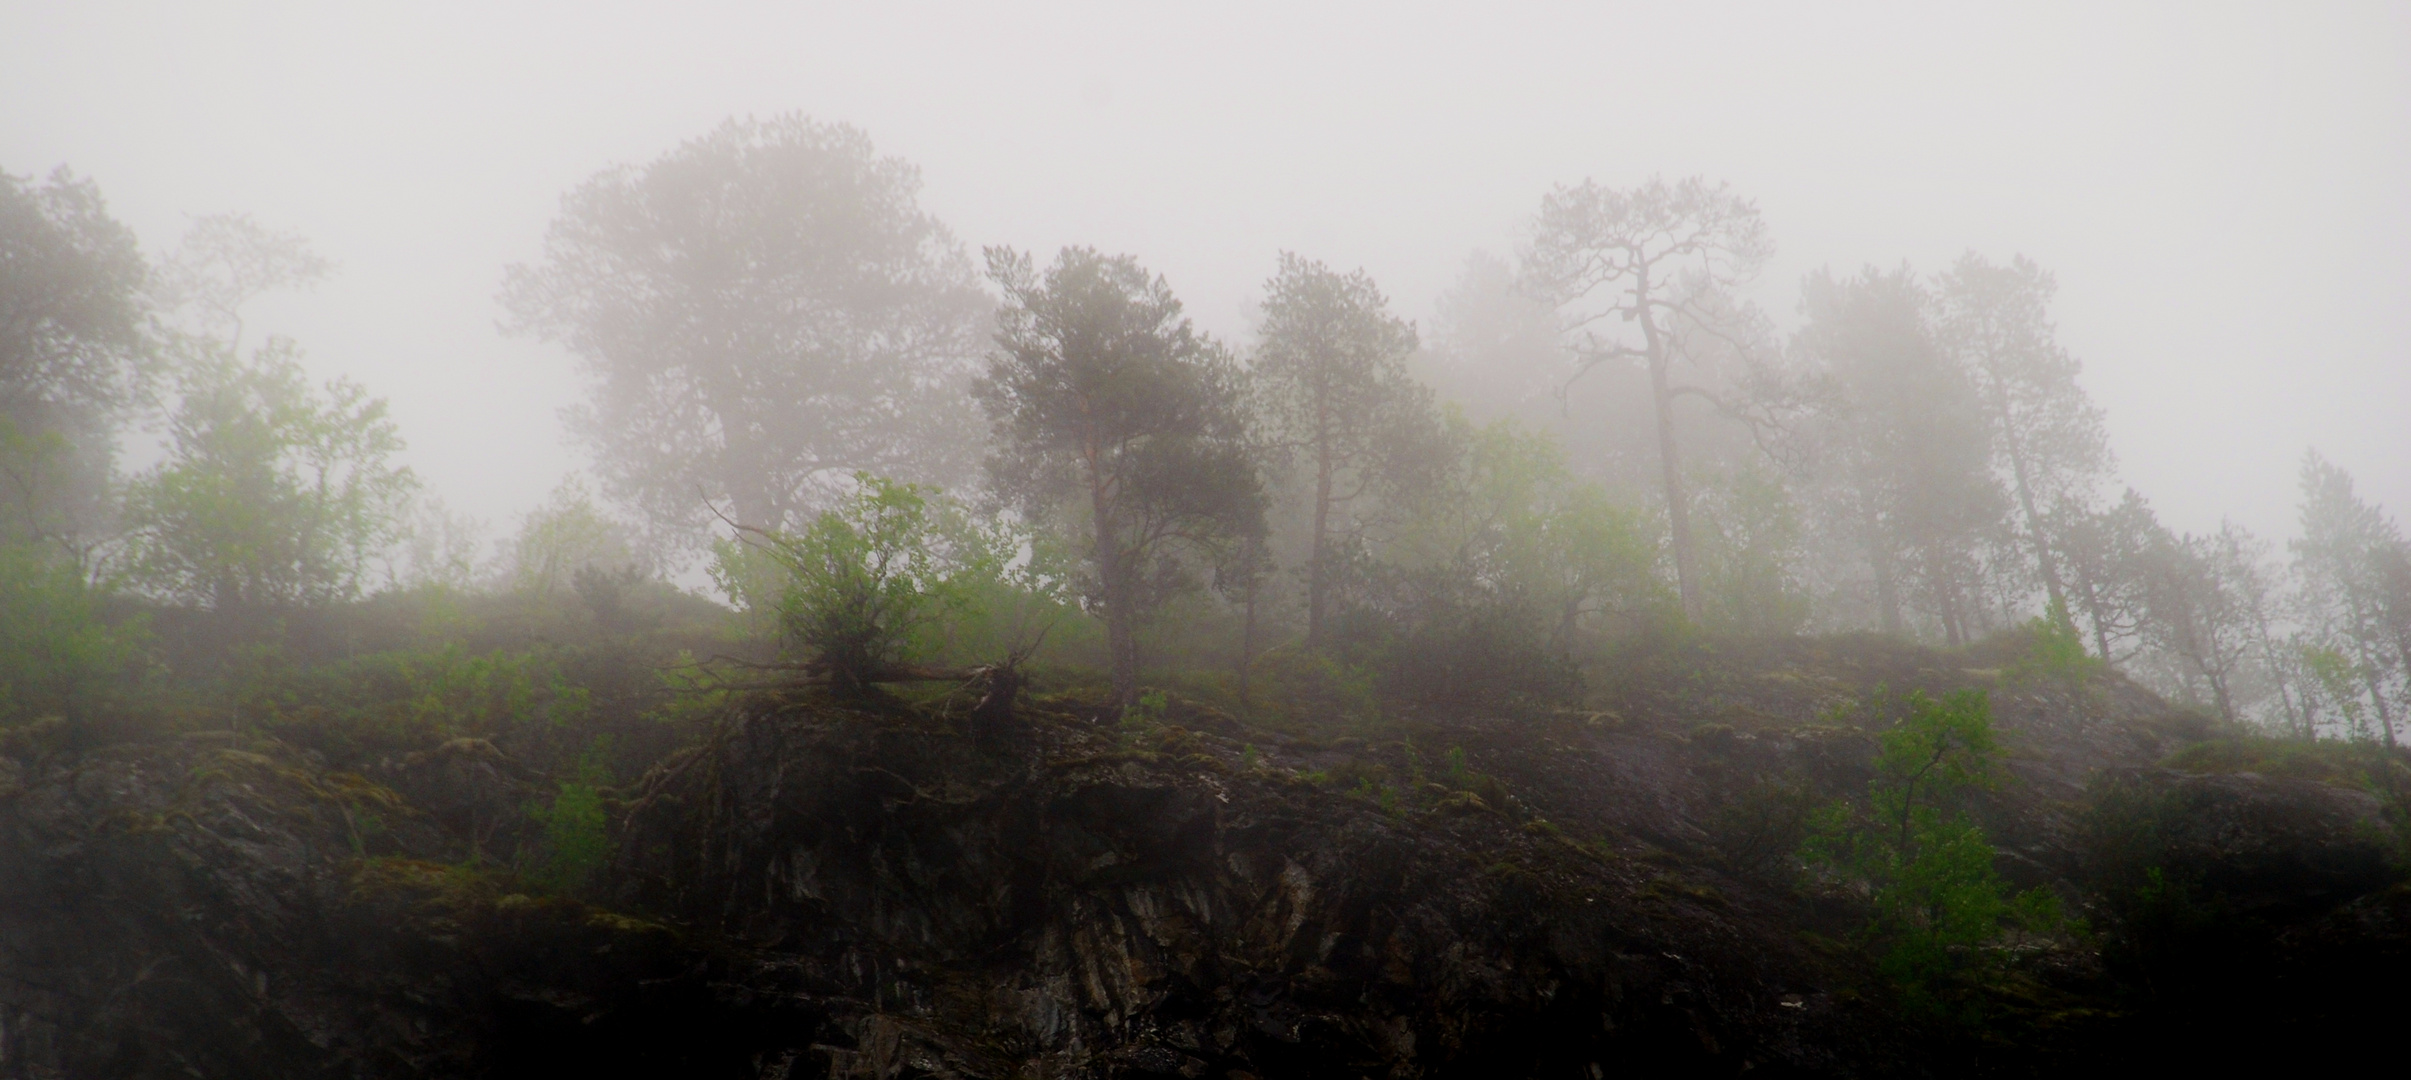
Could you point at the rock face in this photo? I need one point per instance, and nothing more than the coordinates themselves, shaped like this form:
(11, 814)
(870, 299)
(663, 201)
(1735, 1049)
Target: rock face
(2272, 844)
(874, 892)
(1171, 904)
(212, 907)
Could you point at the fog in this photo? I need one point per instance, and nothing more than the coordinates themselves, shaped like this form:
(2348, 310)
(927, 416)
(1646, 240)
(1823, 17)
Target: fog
(2220, 192)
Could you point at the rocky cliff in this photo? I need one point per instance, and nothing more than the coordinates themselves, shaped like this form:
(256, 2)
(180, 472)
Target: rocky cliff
(866, 890)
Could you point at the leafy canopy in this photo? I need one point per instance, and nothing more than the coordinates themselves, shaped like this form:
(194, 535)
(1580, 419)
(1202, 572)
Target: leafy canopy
(274, 493)
(1935, 899)
(762, 311)
(869, 580)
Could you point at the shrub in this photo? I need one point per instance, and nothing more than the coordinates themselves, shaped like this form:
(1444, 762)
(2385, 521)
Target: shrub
(1935, 898)
(867, 584)
(2055, 649)
(59, 657)
(1444, 636)
(576, 830)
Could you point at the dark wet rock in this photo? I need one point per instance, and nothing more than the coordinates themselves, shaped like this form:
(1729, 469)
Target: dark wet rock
(877, 892)
(1093, 909)
(2264, 843)
(471, 788)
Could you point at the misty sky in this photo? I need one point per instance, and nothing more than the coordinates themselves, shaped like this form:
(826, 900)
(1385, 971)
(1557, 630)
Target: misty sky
(2224, 193)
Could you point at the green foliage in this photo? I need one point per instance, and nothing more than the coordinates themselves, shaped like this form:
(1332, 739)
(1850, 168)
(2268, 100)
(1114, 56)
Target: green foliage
(1934, 896)
(1749, 554)
(2055, 649)
(394, 703)
(273, 494)
(1435, 637)
(1117, 421)
(576, 837)
(868, 582)
(1501, 576)
(73, 358)
(60, 656)
(1758, 832)
(1295, 689)
(568, 534)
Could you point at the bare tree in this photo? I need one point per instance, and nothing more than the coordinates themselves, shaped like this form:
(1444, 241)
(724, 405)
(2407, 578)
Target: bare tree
(1662, 258)
(2104, 554)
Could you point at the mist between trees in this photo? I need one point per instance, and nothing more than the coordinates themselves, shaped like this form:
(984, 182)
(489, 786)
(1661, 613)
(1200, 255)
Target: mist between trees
(1596, 446)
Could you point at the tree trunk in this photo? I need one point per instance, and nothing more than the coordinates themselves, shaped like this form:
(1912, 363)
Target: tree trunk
(1946, 596)
(1247, 627)
(2268, 655)
(1318, 563)
(2043, 559)
(2369, 673)
(1121, 644)
(1678, 509)
(1887, 580)
(2101, 622)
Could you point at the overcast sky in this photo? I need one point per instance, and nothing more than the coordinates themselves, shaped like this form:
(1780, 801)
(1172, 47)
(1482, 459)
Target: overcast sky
(2224, 192)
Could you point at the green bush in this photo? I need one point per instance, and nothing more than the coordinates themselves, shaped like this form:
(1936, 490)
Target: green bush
(60, 657)
(867, 585)
(576, 831)
(1935, 898)
(2163, 934)
(2055, 649)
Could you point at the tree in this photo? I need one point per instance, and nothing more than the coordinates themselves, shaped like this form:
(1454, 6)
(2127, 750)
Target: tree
(2104, 556)
(1664, 258)
(224, 262)
(1749, 562)
(566, 535)
(1331, 368)
(61, 658)
(762, 311)
(2045, 429)
(273, 493)
(1904, 447)
(1108, 406)
(2202, 596)
(2342, 559)
(867, 578)
(74, 355)
(1934, 892)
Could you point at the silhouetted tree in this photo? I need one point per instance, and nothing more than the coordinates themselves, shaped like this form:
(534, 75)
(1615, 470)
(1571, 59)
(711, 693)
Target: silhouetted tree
(2046, 431)
(763, 311)
(2202, 594)
(1111, 411)
(1331, 369)
(2342, 560)
(1663, 258)
(2103, 554)
(73, 357)
(1904, 442)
